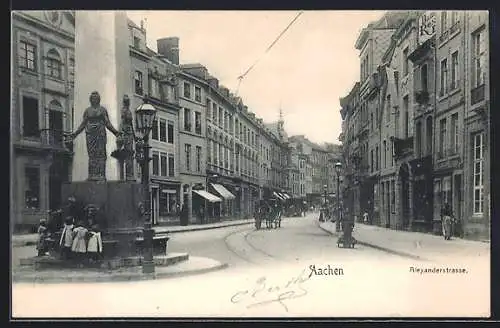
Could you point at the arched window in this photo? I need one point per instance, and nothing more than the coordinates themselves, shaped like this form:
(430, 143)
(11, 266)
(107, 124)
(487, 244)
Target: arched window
(54, 65)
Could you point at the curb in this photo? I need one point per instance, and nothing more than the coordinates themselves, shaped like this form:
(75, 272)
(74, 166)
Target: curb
(383, 249)
(136, 276)
(33, 243)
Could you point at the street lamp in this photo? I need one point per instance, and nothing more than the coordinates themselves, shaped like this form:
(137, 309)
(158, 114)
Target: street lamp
(338, 168)
(145, 115)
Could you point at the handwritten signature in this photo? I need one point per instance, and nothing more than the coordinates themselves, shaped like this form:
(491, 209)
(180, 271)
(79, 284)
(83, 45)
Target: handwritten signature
(264, 293)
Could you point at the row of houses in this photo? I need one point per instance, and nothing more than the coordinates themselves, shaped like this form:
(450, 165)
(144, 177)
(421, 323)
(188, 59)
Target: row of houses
(416, 125)
(209, 151)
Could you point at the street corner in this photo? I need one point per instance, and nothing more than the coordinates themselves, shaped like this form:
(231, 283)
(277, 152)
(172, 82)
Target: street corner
(193, 266)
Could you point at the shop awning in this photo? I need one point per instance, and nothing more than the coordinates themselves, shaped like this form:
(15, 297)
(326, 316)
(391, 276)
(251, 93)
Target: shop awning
(275, 194)
(223, 191)
(208, 196)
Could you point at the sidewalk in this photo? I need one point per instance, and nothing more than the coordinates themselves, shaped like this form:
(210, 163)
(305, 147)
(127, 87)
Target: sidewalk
(414, 244)
(30, 239)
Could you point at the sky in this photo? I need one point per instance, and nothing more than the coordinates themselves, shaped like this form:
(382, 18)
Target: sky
(306, 72)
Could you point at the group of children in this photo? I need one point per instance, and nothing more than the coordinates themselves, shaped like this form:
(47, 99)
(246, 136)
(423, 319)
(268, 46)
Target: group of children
(77, 241)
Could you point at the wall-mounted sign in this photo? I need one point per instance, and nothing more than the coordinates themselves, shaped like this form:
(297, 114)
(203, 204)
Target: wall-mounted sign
(426, 26)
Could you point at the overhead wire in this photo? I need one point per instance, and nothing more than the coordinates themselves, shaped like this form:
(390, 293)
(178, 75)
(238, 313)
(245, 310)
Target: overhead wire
(242, 76)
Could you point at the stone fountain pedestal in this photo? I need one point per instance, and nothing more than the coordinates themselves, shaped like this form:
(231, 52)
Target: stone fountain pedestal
(120, 223)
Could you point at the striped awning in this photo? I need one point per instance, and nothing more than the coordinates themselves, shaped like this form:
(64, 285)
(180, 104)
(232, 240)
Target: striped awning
(286, 195)
(208, 196)
(277, 195)
(223, 191)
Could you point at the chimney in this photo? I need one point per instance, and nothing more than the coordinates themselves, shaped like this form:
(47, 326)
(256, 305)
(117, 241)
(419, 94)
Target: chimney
(169, 48)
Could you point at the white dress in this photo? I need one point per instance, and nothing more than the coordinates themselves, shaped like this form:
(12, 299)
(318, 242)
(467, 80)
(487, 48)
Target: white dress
(67, 236)
(95, 243)
(79, 243)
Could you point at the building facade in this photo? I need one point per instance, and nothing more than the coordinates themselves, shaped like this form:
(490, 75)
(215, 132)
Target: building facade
(41, 112)
(432, 81)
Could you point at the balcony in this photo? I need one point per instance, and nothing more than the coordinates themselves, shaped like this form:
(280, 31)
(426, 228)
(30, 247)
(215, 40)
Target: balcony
(477, 94)
(422, 97)
(403, 146)
(454, 28)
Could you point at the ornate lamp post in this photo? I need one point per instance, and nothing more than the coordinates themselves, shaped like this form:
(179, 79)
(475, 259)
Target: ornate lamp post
(144, 116)
(338, 168)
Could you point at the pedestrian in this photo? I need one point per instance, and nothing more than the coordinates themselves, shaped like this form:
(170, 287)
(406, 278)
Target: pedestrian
(94, 246)
(66, 240)
(43, 234)
(447, 221)
(79, 247)
(365, 217)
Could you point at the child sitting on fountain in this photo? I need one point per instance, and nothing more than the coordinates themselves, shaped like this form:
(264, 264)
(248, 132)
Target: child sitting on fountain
(79, 246)
(94, 246)
(43, 234)
(66, 240)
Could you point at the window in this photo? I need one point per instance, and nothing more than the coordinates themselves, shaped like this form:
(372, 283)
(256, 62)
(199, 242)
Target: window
(221, 117)
(209, 151)
(478, 171)
(170, 132)
(423, 77)
(209, 109)
(198, 159)
(442, 138)
(156, 159)
(389, 109)
(137, 42)
(163, 165)
(454, 71)
(214, 113)
(27, 55)
(154, 88)
(376, 159)
(221, 155)
(171, 165)
(454, 134)
(385, 154)
(154, 130)
(444, 22)
(30, 117)
(54, 66)
(479, 56)
(187, 151)
(444, 77)
(216, 153)
(418, 139)
(187, 90)
(371, 166)
(163, 130)
(197, 94)
(454, 18)
(428, 136)
(32, 187)
(405, 62)
(138, 83)
(446, 191)
(187, 119)
(406, 116)
(371, 120)
(197, 122)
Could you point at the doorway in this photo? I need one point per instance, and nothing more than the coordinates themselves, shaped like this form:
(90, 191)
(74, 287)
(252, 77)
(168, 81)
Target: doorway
(404, 177)
(56, 127)
(457, 201)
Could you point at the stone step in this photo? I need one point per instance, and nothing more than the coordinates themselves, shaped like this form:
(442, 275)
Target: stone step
(111, 264)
